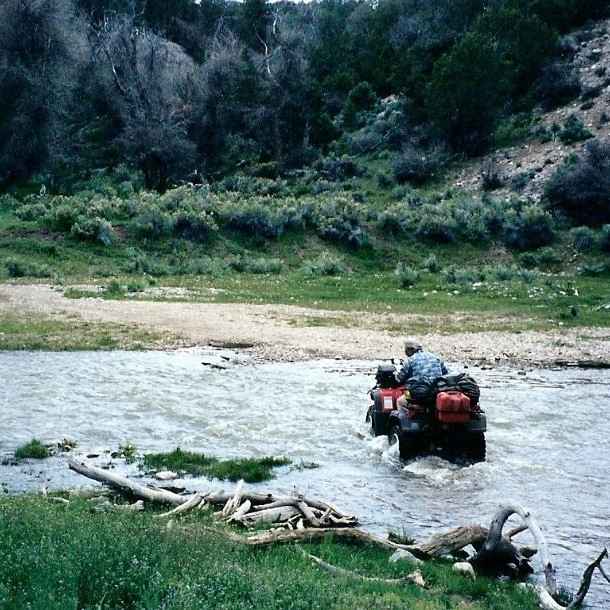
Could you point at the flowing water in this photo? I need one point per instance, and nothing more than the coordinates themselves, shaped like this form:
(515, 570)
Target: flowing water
(548, 438)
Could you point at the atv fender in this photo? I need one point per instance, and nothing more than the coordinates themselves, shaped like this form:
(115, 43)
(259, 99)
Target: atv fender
(477, 425)
(406, 424)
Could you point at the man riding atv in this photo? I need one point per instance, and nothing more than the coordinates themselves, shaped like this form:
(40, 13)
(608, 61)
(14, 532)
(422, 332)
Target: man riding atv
(427, 410)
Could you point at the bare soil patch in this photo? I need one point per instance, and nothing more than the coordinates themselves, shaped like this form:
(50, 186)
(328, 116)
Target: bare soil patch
(284, 332)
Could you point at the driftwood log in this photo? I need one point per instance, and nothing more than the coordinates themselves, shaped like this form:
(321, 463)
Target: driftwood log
(241, 507)
(306, 520)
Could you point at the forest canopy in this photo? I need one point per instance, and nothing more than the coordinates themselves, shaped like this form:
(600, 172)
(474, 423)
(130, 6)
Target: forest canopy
(184, 90)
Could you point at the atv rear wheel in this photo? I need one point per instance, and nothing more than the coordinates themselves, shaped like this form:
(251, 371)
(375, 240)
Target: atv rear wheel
(409, 445)
(475, 447)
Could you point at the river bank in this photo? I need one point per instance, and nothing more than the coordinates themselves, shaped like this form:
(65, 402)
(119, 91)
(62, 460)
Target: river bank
(286, 333)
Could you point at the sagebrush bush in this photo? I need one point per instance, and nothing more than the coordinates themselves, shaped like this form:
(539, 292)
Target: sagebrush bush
(557, 85)
(604, 241)
(324, 264)
(93, 229)
(574, 131)
(151, 222)
(407, 275)
(339, 219)
(16, 268)
(63, 213)
(432, 264)
(416, 166)
(583, 239)
(528, 228)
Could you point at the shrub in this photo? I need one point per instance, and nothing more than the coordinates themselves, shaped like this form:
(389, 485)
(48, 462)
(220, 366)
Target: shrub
(583, 238)
(491, 179)
(528, 229)
(35, 449)
(16, 268)
(557, 85)
(93, 229)
(260, 266)
(151, 222)
(432, 264)
(574, 131)
(32, 209)
(341, 220)
(503, 273)
(581, 187)
(604, 242)
(415, 166)
(324, 264)
(435, 225)
(545, 257)
(62, 215)
(407, 275)
(196, 226)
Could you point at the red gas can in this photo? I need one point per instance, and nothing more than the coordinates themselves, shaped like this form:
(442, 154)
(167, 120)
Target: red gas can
(388, 397)
(452, 407)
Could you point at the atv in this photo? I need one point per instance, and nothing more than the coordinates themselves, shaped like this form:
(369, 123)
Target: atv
(442, 417)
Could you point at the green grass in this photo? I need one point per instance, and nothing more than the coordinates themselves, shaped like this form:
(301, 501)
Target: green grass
(35, 449)
(25, 330)
(251, 470)
(55, 556)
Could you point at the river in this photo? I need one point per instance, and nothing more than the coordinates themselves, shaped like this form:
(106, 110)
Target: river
(547, 444)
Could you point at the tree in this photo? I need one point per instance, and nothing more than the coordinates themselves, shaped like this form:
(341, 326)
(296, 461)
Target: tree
(468, 90)
(43, 48)
(148, 84)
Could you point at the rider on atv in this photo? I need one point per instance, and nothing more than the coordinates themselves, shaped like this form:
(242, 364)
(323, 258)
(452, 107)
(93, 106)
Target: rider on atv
(418, 363)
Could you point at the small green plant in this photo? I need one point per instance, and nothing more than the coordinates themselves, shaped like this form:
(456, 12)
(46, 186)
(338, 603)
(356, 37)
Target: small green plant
(114, 288)
(432, 264)
(35, 449)
(583, 238)
(251, 470)
(407, 275)
(126, 452)
(574, 131)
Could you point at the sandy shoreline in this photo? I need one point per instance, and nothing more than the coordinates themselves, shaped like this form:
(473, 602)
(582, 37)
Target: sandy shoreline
(286, 333)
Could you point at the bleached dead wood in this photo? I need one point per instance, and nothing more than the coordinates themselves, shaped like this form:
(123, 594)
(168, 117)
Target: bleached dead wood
(324, 519)
(494, 549)
(238, 506)
(415, 577)
(125, 486)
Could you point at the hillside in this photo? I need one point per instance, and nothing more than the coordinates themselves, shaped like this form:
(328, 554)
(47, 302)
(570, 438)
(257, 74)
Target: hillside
(525, 167)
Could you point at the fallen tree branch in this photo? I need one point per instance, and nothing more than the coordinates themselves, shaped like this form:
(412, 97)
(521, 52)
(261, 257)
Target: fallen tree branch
(415, 577)
(495, 550)
(238, 507)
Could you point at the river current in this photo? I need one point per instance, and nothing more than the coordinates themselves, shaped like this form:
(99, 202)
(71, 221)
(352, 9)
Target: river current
(547, 444)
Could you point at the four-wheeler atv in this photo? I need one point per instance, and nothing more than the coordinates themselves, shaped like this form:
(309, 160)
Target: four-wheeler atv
(442, 417)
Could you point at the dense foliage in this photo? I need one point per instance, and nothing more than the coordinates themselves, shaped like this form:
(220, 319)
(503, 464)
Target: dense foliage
(187, 89)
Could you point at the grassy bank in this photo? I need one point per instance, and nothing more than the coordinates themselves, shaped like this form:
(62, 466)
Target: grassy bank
(62, 555)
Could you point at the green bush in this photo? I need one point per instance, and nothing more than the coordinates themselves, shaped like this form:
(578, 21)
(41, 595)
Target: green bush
(93, 229)
(16, 268)
(529, 228)
(583, 238)
(574, 131)
(339, 219)
(324, 264)
(35, 449)
(581, 187)
(432, 264)
(406, 275)
(604, 242)
(63, 214)
(151, 222)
